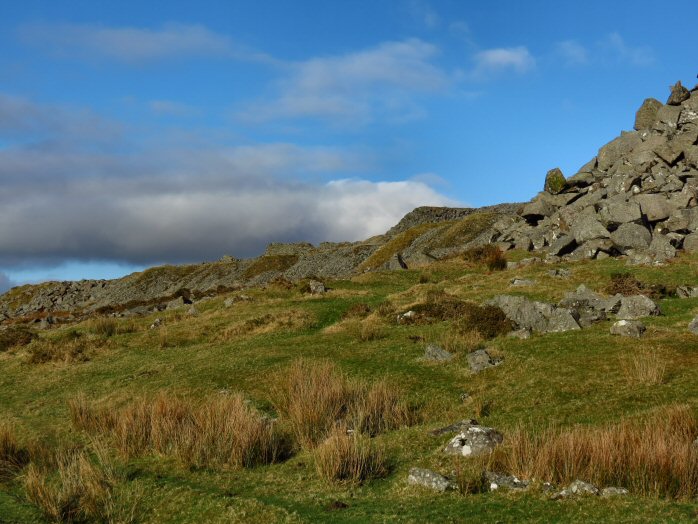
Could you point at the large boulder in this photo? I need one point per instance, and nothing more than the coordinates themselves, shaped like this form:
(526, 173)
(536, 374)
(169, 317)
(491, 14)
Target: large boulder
(536, 316)
(619, 212)
(587, 307)
(617, 149)
(631, 236)
(690, 243)
(436, 353)
(555, 181)
(655, 206)
(474, 441)
(587, 227)
(637, 306)
(647, 114)
(678, 94)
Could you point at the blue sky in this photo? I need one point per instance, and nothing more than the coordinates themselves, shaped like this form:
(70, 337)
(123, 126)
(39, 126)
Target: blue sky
(136, 133)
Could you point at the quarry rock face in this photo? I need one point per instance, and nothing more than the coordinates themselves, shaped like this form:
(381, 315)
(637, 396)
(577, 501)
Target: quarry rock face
(637, 199)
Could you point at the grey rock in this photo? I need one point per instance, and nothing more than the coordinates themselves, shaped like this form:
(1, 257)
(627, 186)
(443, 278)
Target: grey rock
(578, 487)
(436, 353)
(647, 114)
(628, 328)
(430, 479)
(480, 360)
(228, 302)
(176, 303)
(521, 334)
(407, 317)
(474, 441)
(662, 248)
(693, 326)
(457, 427)
(560, 273)
(690, 243)
(587, 307)
(522, 282)
(562, 245)
(613, 491)
(619, 212)
(655, 206)
(687, 292)
(678, 94)
(496, 481)
(631, 236)
(667, 119)
(588, 228)
(617, 148)
(156, 323)
(536, 316)
(317, 287)
(192, 311)
(637, 306)
(537, 209)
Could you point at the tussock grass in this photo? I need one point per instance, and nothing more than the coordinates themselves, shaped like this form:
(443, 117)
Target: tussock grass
(13, 456)
(646, 366)
(72, 348)
(15, 336)
(365, 330)
(219, 431)
(81, 488)
(289, 320)
(458, 342)
(351, 458)
(314, 396)
(654, 456)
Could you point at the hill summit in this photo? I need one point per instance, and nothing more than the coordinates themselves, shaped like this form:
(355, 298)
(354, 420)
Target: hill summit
(636, 198)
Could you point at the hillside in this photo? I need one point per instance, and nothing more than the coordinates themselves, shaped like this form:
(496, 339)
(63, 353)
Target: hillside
(470, 364)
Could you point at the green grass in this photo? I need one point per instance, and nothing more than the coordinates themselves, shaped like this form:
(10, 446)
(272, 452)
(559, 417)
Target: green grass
(558, 379)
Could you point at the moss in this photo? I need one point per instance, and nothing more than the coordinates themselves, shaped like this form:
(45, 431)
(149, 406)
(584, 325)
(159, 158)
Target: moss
(555, 181)
(395, 245)
(463, 231)
(270, 263)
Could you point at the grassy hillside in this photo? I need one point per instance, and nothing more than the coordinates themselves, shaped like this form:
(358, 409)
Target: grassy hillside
(107, 368)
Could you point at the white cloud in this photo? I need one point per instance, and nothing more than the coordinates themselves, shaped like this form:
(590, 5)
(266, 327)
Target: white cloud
(353, 87)
(639, 56)
(134, 44)
(572, 52)
(424, 13)
(5, 282)
(491, 61)
(66, 200)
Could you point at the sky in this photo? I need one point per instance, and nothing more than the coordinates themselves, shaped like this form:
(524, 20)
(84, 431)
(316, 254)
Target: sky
(141, 133)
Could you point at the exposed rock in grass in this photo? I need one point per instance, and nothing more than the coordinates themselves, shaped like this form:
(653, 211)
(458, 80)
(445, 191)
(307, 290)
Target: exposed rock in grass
(693, 326)
(457, 427)
(537, 316)
(496, 481)
(687, 292)
(481, 359)
(628, 328)
(317, 287)
(637, 306)
(613, 491)
(430, 479)
(436, 353)
(578, 487)
(474, 441)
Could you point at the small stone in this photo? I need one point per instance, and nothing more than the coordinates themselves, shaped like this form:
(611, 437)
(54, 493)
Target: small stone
(521, 334)
(436, 353)
(480, 360)
(229, 302)
(687, 292)
(628, 328)
(156, 324)
(578, 487)
(612, 491)
(407, 317)
(497, 481)
(560, 273)
(522, 282)
(430, 479)
(317, 287)
(693, 326)
(474, 441)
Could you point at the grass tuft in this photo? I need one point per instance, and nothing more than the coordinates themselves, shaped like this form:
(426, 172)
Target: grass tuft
(349, 457)
(654, 456)
(488, 255)
(645, 366)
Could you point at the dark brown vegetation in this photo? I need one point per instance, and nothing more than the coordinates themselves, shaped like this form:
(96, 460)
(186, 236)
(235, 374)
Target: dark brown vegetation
(72, 347)
(654, 456)
(15, 336)
(488, 255)
(489, 321)
(358, 310)
(626, 284)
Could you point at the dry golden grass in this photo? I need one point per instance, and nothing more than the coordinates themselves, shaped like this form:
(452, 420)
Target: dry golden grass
(461, 342)
(654, 456)
(395, 245)
(314, 396)
(79, 490)
(13, 456)
(290, 320)
(488, 255)
(71, 348)
(646, 366)
(351, 458)
(365, 330)
(220, 431)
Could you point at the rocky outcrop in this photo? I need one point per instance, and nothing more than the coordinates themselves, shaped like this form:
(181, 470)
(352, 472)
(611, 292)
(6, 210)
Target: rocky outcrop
(430, 479)
(474, 441)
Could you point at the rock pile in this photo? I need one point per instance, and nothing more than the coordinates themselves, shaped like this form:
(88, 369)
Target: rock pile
(637, 197)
